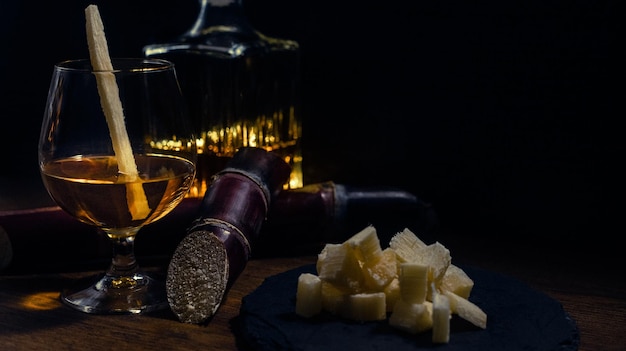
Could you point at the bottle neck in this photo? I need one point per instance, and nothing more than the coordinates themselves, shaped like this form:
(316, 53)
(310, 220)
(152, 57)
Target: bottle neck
(222, 29)
(221, 16)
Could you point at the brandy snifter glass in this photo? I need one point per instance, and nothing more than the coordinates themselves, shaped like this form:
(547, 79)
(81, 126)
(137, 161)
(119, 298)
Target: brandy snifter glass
(117, 172)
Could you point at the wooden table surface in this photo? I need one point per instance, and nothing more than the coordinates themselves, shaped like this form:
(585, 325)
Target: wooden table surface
(592, 292)
(33, 318)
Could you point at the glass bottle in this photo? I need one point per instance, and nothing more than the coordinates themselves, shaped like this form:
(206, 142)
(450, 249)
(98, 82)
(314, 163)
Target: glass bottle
(242, 87)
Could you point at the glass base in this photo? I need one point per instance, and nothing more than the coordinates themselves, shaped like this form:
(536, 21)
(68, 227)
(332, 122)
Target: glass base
(135, 294)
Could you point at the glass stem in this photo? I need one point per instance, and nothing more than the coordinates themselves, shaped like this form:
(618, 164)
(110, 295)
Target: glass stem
(123, 262)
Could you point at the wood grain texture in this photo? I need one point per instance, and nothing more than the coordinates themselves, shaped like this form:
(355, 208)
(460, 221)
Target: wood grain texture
(33, 318)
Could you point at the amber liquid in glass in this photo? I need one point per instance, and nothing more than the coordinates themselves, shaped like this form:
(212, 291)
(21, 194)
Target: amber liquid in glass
(91, 189)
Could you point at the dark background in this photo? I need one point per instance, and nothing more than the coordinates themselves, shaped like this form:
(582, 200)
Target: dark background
(502, 114)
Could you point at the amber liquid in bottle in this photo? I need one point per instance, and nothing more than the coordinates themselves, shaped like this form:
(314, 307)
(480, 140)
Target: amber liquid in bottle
(241, 86)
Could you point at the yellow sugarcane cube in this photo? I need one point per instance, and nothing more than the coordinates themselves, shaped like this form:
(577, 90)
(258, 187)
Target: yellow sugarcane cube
(366, 307)
(467, 310)
(441, 319)
(413, 282)
(411, 317)
(381, 271)
(308, 295)
(457, 281)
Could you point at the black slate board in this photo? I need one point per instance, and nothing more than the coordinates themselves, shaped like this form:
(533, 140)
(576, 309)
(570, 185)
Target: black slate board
(518, 318)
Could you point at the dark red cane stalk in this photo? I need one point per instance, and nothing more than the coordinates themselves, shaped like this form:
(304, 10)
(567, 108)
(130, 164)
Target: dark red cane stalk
(217, 246)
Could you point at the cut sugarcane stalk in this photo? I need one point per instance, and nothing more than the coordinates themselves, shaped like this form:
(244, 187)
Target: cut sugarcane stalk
(114, 113)
(441, 319)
